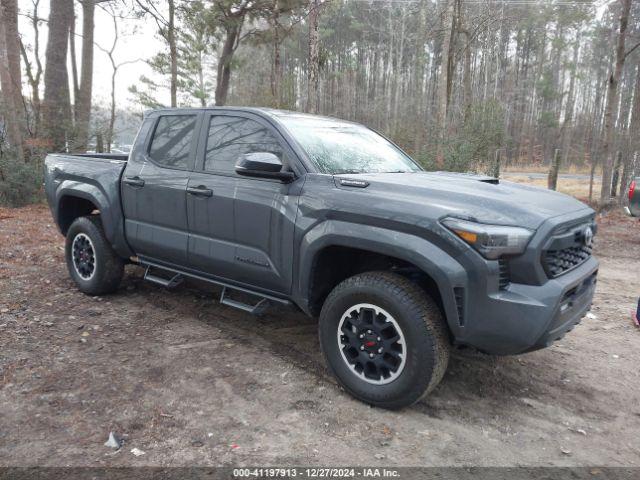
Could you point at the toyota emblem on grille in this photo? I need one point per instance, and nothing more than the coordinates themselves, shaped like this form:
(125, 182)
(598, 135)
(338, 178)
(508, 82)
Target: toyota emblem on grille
(588, 236)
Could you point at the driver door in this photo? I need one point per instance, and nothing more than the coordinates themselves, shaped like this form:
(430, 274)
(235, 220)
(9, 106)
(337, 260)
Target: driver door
(240, 228)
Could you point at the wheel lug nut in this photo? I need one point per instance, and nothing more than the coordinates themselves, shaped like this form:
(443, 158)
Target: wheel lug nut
(361, 347)
(362, 335)
(371, 355)
(380, 350)
(379, 339)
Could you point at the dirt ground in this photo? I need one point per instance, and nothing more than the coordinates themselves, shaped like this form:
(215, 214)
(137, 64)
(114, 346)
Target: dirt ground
(578, 187)
(191, 382)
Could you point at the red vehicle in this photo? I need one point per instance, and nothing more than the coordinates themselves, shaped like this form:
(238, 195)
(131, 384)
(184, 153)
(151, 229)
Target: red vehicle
(634, 198)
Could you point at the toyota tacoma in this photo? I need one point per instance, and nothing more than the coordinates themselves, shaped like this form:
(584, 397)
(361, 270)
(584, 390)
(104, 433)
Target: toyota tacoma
(400, 265)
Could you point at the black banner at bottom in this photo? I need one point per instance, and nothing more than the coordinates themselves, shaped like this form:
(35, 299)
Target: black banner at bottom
(392, 473)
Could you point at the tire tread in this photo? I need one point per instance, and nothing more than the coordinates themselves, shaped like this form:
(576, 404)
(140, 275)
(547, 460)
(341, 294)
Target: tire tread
(112, 266)
(419, 305)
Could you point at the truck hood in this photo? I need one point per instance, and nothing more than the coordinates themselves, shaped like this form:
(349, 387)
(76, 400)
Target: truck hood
(479, 198)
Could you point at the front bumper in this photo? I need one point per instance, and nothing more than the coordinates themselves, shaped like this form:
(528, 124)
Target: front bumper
(574, 305)
(522, 318)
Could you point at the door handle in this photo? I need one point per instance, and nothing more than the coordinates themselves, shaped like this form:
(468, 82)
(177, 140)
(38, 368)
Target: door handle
(200, 191)
(134, 181)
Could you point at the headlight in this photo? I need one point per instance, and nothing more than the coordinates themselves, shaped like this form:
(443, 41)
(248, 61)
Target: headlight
(492, 241)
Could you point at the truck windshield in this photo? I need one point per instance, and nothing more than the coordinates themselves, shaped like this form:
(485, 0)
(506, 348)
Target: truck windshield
(339, 147)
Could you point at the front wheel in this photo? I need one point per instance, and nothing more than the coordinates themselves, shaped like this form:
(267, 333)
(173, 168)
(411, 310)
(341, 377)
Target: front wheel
(92, 263)
(384, 339)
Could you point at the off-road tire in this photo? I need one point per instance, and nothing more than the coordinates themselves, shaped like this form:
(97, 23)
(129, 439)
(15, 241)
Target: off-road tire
(425, 333)
(109, 267)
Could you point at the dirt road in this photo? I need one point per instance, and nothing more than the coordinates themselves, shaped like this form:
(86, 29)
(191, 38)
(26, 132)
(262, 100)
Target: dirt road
(561, 176)
(191, 382)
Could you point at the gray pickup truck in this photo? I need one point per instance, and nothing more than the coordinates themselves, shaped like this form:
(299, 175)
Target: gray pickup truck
(400, 265)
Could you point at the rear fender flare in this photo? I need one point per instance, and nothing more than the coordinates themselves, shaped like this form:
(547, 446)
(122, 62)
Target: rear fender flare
(110, 216)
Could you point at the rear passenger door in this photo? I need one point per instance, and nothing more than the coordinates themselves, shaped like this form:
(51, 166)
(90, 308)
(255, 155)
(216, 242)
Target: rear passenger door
(154, 188)
(241, 228)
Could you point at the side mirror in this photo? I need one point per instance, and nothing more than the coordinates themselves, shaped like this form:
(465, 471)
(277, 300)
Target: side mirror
(264, 165)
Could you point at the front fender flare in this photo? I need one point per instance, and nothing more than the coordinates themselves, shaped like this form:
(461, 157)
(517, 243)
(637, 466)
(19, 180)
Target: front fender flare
(432, 260)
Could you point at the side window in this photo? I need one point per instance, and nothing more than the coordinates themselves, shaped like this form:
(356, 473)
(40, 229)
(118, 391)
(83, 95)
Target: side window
(230, 137)
(171, 143)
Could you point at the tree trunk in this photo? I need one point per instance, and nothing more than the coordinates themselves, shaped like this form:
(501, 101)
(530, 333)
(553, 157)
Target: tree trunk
(314, 59)
(389, 74)
(75, 81)
(399, 73)
(13, 51)
(615, 176)
(444, 80)
(34, 73)
(467, 93)
(10, 74)
(552, 180)
(612, 104)
(201, 82)
(421, 40)
(99, 143)
(83, 100)
(224, 63)
(173, 52)
(277, 67)
(592, 172)
(56, 108)
(112, 116)
(568, 114)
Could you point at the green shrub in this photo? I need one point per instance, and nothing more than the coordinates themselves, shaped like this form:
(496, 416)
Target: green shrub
(472, 146)
(20, 182)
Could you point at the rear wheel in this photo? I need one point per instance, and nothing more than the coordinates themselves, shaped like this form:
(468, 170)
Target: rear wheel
(92, 263)
(384, 339)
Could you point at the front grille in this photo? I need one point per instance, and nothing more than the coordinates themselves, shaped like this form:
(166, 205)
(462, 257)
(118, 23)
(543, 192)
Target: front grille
(569, 247)
(558, 262)
(503, 273)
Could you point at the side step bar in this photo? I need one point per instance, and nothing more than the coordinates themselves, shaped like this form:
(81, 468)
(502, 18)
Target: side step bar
(165, 282)
(257, 309)
(178, 276)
